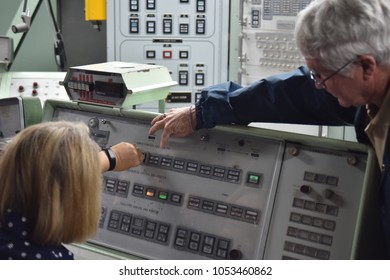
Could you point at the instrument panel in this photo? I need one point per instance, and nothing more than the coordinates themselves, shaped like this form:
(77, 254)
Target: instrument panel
(226, 193)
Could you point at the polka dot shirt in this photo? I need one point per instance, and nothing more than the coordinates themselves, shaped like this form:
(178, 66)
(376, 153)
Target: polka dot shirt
(15, 244)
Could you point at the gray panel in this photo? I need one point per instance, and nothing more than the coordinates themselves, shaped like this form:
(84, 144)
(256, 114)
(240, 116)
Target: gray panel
(319, 186)
(11, 117)
(229, 192)
(190, 38)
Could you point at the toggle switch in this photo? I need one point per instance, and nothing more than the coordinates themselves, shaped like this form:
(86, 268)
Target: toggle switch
(329, 194)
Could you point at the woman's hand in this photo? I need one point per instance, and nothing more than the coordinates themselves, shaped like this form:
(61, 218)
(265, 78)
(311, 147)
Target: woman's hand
(126, 156)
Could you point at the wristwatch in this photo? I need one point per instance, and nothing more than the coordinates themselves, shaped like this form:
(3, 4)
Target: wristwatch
(111, 158)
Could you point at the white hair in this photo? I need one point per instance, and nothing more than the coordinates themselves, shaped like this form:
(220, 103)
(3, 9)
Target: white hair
(338, 31)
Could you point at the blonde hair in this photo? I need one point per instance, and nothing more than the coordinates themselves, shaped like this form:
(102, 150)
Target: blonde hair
(50, 173)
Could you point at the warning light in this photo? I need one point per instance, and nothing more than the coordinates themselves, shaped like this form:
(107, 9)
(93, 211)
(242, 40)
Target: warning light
(150, 193)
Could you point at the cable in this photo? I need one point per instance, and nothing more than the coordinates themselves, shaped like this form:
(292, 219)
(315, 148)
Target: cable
(59, 47)
(25, 6)
(50, 8)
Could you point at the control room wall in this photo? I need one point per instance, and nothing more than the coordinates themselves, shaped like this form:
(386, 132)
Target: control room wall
(36, 52)
(83, 43)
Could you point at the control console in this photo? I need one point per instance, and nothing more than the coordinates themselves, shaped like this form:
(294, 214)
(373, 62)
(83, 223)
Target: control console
(227, 193)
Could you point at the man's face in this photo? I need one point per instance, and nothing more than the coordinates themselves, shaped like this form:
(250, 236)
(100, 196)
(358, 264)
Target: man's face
(349, 91)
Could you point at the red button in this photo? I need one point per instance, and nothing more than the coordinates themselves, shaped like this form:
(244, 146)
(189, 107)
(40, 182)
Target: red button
(167, 54)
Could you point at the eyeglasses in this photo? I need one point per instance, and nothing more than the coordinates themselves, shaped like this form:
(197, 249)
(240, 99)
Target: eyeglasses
(321, 83)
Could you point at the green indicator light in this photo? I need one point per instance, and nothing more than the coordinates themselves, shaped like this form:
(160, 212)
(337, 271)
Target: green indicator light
(163, 196)
(254, 179)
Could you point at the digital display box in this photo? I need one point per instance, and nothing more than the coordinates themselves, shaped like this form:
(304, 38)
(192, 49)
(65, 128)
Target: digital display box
(118, 84)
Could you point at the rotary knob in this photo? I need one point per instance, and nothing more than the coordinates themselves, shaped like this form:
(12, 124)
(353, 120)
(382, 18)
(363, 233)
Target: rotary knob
(305, 189)
(235, 254)
(93, 122)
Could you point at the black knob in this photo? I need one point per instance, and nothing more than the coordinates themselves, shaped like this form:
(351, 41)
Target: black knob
(305, 189)
(235, 254)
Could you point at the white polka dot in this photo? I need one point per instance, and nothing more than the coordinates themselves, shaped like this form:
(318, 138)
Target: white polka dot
(70, 253)
(9, 210)
(10, 245)
(38, 256)
(10, 224)
(26, 243)
(24, 233)
(24, 219)
(23, 254)
(60, 254)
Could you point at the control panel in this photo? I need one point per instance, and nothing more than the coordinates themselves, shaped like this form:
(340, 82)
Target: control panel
(190, 38)
(227, 193)
(266, 41)
(40, 85)
(262, 44)
(11, 117)
(16, 113)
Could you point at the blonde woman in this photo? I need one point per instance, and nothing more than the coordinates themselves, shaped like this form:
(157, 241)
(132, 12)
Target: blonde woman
(50, 186)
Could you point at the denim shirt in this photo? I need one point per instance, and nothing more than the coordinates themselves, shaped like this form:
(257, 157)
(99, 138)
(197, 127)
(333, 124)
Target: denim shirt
(285, 98)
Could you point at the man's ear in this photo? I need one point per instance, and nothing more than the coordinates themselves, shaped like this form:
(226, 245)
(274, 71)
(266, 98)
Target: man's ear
(368, 64)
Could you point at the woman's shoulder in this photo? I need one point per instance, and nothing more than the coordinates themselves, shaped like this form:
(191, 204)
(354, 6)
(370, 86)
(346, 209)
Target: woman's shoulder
(15, 243)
